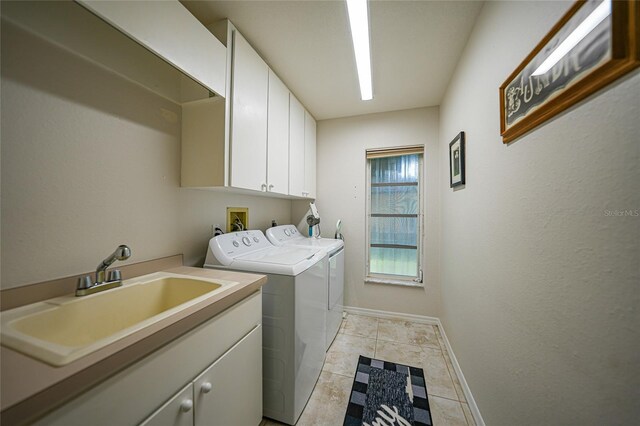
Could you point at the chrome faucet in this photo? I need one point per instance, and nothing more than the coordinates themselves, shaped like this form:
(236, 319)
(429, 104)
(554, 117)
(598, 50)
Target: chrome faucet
(86, 286)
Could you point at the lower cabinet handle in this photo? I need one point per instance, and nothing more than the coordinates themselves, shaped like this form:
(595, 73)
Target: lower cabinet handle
(206, 387)
(271, 187)
(186, 405)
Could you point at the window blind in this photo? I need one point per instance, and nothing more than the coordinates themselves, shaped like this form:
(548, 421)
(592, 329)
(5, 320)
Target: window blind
(392, 152)
(394, 211)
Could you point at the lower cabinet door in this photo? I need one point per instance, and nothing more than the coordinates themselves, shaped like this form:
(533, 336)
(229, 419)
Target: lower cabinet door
(178, 411)
(230, 391)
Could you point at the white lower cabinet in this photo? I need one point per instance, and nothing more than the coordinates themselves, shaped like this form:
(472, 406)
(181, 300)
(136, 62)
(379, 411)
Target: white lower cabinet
(228, 393)
(178, 411)
(170, 386)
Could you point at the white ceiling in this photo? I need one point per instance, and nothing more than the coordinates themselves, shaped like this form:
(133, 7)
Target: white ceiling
(415, 46)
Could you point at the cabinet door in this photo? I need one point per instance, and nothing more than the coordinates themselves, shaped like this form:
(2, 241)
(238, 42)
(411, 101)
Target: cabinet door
(178, 411)
(309, 156)
(230, 391)
(278, 136)
(296, 147)
(248, 117)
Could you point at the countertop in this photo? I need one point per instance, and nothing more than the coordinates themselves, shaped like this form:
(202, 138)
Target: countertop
(29, 387)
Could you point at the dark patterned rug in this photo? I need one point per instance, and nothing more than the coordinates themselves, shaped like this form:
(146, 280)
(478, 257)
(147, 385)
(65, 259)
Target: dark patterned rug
(387, 393)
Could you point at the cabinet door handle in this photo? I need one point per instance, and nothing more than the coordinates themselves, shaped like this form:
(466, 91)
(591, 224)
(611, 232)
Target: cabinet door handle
(206, 387)
(186, 405)
(263, 187)
(271, 187)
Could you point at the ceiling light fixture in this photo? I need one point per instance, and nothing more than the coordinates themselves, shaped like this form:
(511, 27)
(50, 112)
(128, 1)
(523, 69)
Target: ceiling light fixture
(359, 22)
(598, 15)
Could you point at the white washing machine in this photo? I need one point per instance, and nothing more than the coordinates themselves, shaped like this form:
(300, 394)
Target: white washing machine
(289, 236)
(294, 314)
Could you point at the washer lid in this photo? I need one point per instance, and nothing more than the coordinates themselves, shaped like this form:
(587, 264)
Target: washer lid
(288, 255)
(288, 235)
(329, 244)
(289, 260)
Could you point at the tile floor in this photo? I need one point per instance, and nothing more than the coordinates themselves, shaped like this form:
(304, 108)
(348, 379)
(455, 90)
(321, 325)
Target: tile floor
(404, 342)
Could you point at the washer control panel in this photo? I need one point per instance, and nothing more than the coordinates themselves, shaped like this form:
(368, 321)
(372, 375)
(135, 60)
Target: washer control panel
(280, 234)
(229, 246)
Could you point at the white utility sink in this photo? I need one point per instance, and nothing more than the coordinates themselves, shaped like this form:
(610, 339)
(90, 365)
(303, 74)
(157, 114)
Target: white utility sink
(61, 330)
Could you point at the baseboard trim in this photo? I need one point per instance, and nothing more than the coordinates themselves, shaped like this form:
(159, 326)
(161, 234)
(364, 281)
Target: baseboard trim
(433, 321)
(392, 315)
(475, 411)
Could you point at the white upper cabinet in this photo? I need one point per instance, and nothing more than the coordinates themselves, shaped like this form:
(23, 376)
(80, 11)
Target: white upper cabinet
(170, 31)
(296, 147)
(302, 151)
(248, 131)
(268, 140)
(309, 156)
(278, 136)
(158, 45)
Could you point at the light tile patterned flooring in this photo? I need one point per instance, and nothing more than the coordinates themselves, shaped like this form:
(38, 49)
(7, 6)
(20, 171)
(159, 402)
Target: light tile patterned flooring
(404, 342)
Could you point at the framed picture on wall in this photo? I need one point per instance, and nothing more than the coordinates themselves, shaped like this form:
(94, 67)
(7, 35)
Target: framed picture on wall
(593, 44)
(456, 161)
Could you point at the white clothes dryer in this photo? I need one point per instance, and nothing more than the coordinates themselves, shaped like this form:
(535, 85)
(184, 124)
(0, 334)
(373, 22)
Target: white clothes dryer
(293, 315)
(289, 236)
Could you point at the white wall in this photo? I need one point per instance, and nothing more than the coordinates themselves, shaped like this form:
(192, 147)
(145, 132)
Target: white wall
(90, 161)
(341, 192)
(539, 286)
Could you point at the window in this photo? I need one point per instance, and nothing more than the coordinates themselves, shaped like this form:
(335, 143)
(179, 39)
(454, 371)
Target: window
(394, 216)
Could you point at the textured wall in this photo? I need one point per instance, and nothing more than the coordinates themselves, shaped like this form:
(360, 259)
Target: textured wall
(342, 144)
(90, 161)
(539, 284)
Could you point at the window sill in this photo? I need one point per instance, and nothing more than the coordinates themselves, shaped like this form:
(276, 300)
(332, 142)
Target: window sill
(370, 280)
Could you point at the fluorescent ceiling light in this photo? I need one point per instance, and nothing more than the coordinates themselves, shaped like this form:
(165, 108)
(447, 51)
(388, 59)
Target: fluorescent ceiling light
(585, 27)
(359, 22)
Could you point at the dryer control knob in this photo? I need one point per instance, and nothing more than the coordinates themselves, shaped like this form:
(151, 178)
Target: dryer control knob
(236, 244)
(246, 241)
(287, 232)
(256, 239)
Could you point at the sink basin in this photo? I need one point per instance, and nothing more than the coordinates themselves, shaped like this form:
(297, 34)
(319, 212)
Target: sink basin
(61, 330)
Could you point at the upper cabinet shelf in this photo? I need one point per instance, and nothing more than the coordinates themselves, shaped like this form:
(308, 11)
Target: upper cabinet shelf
(158, 45)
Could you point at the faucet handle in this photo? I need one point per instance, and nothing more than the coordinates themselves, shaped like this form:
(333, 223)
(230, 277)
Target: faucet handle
(115, 275)
(84, 282)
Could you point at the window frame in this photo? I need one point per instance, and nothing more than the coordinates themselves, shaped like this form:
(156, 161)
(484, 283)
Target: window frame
(400, 280)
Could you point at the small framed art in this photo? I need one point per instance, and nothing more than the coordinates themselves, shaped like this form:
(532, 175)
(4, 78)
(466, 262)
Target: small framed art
(456, 161)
